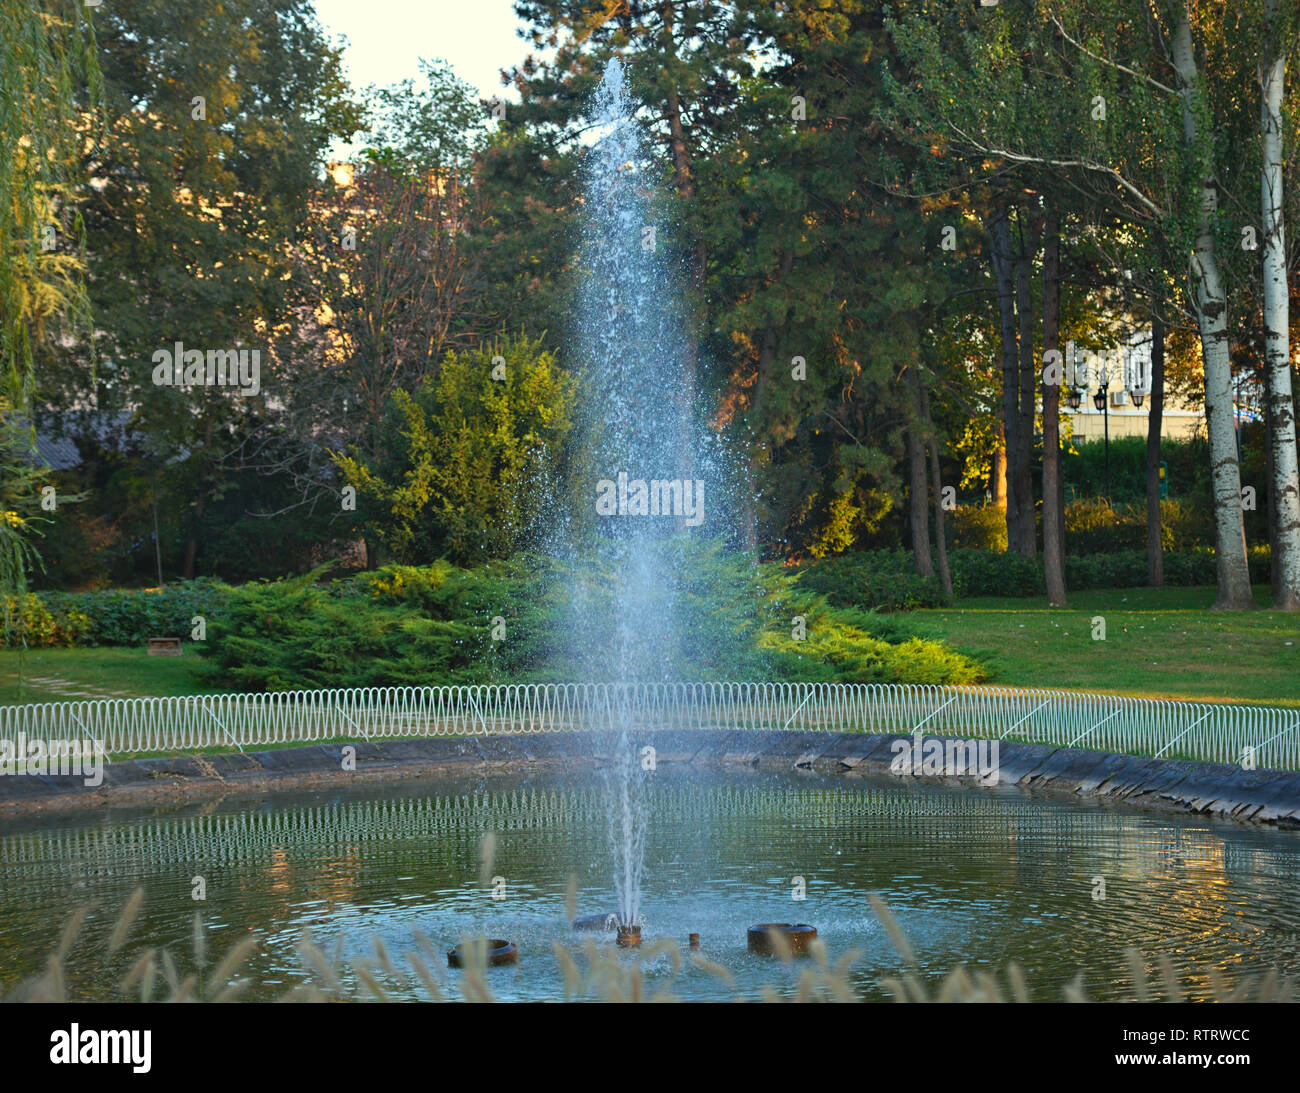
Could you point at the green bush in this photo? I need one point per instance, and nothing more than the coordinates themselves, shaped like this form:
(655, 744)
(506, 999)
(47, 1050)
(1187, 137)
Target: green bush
(883, 580)
(1093, 527)
(994, 573)
(461, 472)
(978, 527)
(417, 625)
(130, 616)
(28, 621)
(1184, 526)
(886, 581)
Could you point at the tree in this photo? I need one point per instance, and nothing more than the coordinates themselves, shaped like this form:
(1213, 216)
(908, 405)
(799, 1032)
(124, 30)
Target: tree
(1151, 159)
(470, 458)
(51, 86)
(214, 131)
(1277, 40)
(1053, 516)
(1210, 303)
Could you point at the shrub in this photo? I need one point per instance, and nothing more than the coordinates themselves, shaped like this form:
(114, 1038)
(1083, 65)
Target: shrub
(419, 625)
(992, 573)
(1184, 526)
(978, 527)
(130, 616)
(882, 580)
(885, 580)
(1093, 527)
(29, 621)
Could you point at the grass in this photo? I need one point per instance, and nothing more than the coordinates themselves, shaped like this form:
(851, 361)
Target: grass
(62, 675)
(1160, 643)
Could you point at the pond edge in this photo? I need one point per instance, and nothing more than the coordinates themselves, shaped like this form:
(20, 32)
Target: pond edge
(1213, 789)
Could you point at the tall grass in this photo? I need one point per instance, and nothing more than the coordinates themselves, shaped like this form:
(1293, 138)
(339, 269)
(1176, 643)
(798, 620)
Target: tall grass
(598, 972)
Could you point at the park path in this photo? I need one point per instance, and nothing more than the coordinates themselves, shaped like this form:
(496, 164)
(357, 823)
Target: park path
(66, 689)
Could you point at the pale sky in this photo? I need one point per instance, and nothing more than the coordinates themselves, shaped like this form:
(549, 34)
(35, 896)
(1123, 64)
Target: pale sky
(388, 37)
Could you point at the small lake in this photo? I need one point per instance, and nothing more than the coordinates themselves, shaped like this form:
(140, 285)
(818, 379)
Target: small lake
(974, 876)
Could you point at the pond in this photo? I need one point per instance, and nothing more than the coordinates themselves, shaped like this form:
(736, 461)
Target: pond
(980, 877)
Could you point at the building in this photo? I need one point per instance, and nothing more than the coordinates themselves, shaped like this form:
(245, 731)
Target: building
(1122, 377)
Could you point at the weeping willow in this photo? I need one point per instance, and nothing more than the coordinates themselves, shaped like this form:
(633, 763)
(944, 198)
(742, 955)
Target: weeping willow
(50, 82)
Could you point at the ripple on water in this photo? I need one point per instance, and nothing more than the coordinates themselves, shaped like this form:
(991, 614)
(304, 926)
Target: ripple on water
(972, 877)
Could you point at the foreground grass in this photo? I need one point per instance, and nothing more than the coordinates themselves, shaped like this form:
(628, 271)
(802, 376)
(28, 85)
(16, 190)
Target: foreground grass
(1160, 643)
(155, 976)
(64, 675)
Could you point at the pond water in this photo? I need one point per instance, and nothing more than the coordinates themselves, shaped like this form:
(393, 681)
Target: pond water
(973, 876)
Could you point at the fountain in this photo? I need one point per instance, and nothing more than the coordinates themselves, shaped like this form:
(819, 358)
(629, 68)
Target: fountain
(639, 478)
(645, 474)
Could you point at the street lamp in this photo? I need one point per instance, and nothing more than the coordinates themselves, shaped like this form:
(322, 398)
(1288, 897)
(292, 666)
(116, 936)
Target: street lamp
(1072, 365)
(1137, 369)
(1099, 400)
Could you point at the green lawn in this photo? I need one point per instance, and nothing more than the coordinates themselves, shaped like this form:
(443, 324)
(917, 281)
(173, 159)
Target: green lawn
(1159, 644)
(61, 675)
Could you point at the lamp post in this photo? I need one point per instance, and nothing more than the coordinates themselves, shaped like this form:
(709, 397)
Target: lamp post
(1099, 401)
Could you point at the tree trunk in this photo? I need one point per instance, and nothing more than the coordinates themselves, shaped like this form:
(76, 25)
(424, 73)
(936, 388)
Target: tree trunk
(940, 534)
(1053, 517)
(192, 543)
(766, 359)
(919, 499)
(1284, 481)
(1024, 468)
(1001, 251)
(686, 192)
(1210, 302)
(1155, 420)
(1274, 576)
(998, 477)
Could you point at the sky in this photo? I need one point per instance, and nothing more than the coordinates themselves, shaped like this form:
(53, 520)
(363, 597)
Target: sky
(388, 37)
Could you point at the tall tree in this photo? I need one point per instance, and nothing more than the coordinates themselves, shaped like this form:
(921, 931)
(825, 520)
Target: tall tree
(1210, 304)
(50, 77)
(1053, 372)
(1277, 41)
(215, 131)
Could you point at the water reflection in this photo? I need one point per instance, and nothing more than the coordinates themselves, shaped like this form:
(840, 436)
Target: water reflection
(974, 876)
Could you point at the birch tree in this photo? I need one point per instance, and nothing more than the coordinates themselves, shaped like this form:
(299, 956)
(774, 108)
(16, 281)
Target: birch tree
(1276, 43)
(1209, 299)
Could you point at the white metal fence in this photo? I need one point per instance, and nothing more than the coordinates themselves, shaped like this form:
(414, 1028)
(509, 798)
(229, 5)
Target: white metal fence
(1210, 732)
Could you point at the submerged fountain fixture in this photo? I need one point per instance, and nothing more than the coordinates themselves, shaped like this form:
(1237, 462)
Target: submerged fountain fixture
(768, 938)
(596, 924)
(499, 952)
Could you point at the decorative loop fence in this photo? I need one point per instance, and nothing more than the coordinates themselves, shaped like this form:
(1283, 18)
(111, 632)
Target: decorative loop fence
(1138, 726)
